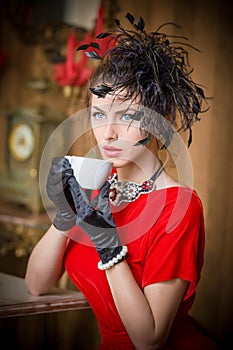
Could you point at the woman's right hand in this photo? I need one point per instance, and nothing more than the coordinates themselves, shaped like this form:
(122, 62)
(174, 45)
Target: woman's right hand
(58, 191)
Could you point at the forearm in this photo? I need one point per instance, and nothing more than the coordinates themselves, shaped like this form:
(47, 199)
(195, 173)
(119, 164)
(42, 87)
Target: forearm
(45, 264)
(132, 306)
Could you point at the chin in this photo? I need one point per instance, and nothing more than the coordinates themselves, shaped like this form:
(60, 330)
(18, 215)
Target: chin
(119, 163)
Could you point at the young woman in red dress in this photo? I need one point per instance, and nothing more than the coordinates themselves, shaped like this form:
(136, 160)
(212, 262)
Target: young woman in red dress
(135, 248)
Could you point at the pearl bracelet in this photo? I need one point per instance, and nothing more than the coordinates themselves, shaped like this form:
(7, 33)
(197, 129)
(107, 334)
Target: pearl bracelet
(121, 256)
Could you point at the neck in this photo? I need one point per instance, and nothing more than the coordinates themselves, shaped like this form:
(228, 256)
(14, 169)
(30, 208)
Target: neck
(138, 172)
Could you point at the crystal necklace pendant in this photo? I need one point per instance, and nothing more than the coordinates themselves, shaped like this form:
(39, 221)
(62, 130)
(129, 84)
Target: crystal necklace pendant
(120, 192)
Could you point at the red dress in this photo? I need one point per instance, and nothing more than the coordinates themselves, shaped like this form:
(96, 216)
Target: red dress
(164, 233)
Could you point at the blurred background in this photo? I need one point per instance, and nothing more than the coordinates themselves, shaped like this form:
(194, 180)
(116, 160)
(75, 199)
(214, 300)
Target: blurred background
(43, 81)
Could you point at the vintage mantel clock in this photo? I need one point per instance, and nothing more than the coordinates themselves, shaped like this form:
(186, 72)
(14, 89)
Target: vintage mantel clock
(27, 132)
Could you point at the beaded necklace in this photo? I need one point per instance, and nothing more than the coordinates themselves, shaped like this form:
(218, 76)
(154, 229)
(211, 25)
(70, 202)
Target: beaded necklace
(128, 192)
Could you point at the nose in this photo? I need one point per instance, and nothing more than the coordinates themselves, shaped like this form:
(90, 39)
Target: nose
(110, 132)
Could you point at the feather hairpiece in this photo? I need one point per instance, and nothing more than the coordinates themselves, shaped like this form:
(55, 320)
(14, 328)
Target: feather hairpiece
(152, 69)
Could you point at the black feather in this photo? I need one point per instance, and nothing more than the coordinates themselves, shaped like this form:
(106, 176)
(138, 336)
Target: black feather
(130, 18)
(117, 22)
(101, 90)
(94, 55)
(143, 142)
(137, 115)
(95, 45)
(200, 91)
(190, 137)
(86, 46)
(153, 71)
(103, 35)
(83, 47)
(141, 25)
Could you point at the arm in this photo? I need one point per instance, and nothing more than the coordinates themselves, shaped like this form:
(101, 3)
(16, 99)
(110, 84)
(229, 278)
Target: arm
(45, 265)
(148, 315)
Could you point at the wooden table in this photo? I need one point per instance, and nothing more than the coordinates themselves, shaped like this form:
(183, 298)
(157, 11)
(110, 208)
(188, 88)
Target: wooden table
(15, 300)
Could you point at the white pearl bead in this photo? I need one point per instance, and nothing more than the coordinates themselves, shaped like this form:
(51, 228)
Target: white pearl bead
(114, 260)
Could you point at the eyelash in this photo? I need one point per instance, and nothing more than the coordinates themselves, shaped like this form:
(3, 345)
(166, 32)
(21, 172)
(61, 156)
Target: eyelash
(96, 114)
(128, 115)
(123, 117)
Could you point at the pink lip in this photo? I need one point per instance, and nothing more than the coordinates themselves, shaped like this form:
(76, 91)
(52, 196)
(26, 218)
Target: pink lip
(111, 151)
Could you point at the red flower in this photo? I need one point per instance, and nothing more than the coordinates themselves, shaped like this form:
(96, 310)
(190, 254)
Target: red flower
(72, 73)
(99, 43)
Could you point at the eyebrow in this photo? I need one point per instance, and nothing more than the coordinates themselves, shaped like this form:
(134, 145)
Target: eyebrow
(117, 112)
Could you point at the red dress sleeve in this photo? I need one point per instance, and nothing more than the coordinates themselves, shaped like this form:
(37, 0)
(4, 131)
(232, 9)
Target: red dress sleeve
(175, 246)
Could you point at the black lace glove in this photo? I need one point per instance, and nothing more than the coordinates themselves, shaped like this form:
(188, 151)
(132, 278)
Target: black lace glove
(58, 191)
(98, 224)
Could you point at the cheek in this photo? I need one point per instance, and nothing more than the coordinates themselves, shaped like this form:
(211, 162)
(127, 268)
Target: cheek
(98, 133)
(135, 134)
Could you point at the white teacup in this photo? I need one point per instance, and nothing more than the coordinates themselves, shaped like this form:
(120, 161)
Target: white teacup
(90, 173)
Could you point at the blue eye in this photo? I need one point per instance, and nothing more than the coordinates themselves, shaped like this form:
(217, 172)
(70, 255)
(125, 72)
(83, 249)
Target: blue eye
(98, 116)
(127, 117)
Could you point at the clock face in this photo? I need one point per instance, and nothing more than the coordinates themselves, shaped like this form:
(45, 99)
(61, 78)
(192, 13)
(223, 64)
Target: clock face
(21, 141)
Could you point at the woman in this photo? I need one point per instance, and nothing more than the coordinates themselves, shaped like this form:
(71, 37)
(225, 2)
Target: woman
(135, 249)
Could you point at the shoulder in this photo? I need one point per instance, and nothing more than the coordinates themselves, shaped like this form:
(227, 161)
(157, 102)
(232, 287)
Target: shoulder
(182, 207)
(179, 196)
